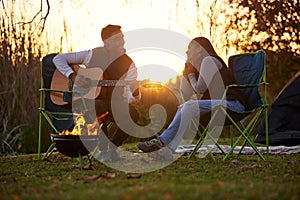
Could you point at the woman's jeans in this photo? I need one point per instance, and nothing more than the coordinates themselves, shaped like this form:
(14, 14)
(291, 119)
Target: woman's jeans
(188, 111)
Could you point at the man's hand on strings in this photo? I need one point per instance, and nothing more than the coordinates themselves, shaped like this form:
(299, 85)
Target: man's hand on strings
(81, 81)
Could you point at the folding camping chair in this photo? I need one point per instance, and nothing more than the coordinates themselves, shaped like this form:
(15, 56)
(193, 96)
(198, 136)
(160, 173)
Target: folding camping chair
(56, 108)
(250, 74)
(58, 117)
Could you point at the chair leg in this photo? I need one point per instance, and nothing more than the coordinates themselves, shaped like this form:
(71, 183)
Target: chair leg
(231, 135)
(215, 142)
(40, 136)
(200, 141)
(197, 146)
(48, 152)
(244, 134)
(249, 133)
(267, 130)
(90, 159)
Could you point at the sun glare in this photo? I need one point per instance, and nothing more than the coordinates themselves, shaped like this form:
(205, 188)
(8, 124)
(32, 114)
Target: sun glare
(157, 65)
(82, 30)
(76, 26)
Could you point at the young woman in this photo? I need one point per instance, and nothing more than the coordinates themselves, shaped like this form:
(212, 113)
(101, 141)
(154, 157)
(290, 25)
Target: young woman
(206, 75)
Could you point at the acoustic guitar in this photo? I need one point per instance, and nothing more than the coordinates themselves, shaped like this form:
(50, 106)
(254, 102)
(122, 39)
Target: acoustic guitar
(61, 93)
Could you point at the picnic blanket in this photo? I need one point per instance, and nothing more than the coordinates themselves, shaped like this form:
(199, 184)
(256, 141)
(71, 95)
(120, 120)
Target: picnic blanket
(247, 150)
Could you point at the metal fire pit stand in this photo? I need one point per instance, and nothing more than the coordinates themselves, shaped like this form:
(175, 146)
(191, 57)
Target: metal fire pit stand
(74, 145)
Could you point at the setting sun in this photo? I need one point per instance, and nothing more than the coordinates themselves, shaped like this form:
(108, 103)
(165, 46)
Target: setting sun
(157, 65)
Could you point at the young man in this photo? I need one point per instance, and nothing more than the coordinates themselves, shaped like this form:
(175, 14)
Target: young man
(116, 65)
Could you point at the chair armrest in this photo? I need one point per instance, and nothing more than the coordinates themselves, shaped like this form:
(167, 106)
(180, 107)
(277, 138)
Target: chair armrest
(246, 86)
(50, 90)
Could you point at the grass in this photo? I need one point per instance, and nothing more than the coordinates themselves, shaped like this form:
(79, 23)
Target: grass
(25, 177)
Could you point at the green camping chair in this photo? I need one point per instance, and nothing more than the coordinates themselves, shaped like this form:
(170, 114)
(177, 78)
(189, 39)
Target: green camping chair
(250, 73)
(58, 117)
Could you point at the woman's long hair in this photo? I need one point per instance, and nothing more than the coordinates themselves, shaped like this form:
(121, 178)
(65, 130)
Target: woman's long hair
(206, 44)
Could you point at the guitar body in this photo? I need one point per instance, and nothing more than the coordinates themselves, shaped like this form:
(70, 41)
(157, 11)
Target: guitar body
(61, 83)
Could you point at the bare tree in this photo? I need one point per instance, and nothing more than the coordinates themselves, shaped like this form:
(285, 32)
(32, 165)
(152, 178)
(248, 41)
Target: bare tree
(41, 16)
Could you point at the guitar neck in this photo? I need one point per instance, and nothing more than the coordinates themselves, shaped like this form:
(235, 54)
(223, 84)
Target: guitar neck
(110, 83)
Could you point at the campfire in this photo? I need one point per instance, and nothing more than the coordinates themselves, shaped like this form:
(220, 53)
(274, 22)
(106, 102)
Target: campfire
(82, 128)
(81, 140)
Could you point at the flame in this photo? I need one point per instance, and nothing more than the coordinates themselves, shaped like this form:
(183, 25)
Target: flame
(82, 128)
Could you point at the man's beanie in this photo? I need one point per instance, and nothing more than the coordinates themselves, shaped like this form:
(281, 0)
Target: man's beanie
(109, 31)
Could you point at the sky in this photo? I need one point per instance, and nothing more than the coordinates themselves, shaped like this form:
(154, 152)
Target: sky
(76, 25)
(85, 19)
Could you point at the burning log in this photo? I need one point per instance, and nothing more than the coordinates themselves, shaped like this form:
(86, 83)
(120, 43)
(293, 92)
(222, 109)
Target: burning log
(81, 140)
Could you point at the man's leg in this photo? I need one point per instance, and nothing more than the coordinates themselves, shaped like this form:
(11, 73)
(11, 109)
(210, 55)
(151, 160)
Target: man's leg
(119, 135)
(101, 108)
